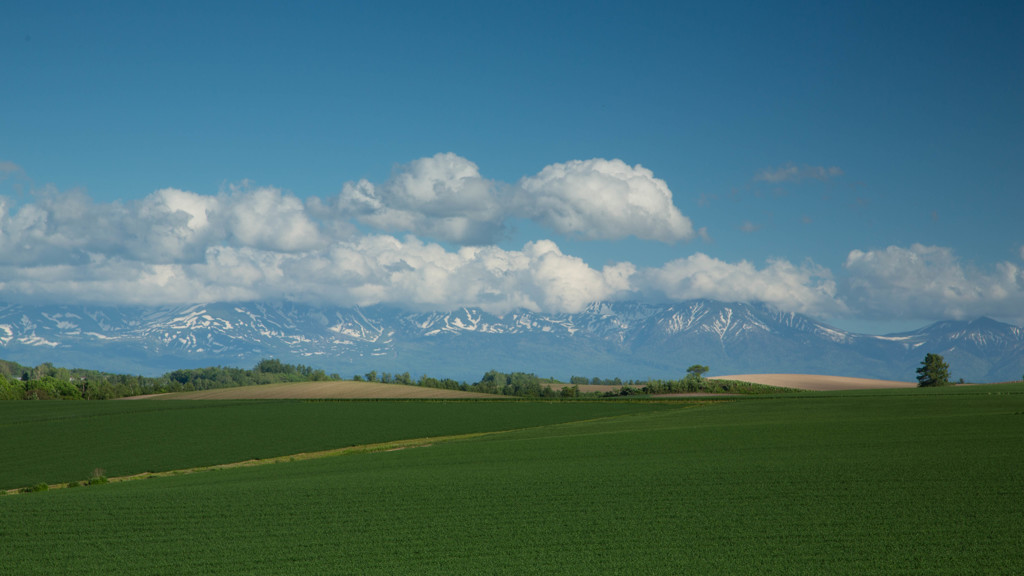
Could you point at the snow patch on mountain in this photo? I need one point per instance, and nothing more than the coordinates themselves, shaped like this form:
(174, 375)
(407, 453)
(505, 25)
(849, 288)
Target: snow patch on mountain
(607, 339)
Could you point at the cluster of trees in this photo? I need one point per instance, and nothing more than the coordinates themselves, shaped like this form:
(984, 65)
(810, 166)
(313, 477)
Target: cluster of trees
(520, 384)
(267, 371)
(532, 386)
(493, 382)
(406, 379)
(46, 388)
(385, 378)
(694, 381)
(48, 382)
(443, 383)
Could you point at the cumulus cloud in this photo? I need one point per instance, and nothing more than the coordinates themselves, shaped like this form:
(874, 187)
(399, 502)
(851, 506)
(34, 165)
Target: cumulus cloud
(930, 282)
(248, 242)
(421, 275)
(442, 197)
(266, 218)
(58, 228)
(602, 199)
(373, 269)
(167, 226)
(173, 225)
(793, 173)
(806, 288)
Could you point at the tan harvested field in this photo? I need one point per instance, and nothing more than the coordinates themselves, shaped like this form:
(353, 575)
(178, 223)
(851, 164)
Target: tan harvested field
(345, 389)
(818, 382)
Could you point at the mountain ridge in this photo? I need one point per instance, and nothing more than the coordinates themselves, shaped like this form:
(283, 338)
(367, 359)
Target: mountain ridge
(606, 339)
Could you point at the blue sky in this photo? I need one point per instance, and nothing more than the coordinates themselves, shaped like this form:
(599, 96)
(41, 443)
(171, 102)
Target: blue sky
(859, 162)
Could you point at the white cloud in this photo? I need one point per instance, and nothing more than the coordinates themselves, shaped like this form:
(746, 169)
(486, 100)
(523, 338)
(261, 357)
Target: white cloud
(173, 225)
(442, 197)
(58, 228)
(807, 288)
(167, 226)
(415, 274)
(266, 218)
(602, 199)
(246, 243)
(929, 282)
(374, 269)
(566, 283)
(792, 173)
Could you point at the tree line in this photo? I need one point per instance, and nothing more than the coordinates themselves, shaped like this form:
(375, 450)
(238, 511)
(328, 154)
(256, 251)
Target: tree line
(49, 382)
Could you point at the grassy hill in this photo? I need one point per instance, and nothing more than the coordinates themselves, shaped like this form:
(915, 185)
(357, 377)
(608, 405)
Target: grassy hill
(871, 482)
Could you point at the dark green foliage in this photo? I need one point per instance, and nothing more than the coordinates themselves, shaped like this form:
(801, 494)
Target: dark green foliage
(694, 384)
(11, 388)
(697, 370)
(515, 384)
(13, 370)
(41, 487)
(46, 382)
(442, 383)
(49, 387)
(933, 371)
(531, 386)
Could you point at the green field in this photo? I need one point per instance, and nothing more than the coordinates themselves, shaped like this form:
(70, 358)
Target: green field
(56, 442)
(893, 482)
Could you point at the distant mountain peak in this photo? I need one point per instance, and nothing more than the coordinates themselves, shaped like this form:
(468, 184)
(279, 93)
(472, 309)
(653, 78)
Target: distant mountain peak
(608, 339)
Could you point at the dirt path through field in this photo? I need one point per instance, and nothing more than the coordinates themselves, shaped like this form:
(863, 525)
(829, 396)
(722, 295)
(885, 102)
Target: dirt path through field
(391, 446)
(818, 382)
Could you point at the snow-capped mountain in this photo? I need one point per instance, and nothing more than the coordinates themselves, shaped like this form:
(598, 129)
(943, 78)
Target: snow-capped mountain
(608, 339)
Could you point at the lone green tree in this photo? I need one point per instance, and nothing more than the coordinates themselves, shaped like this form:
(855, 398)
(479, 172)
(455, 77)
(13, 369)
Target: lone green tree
(933, 371)
(697, 371)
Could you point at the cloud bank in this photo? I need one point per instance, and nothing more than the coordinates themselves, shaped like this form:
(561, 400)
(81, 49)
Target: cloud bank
(444, 197)
(806, 288)
(930, 282)
(426, 239)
